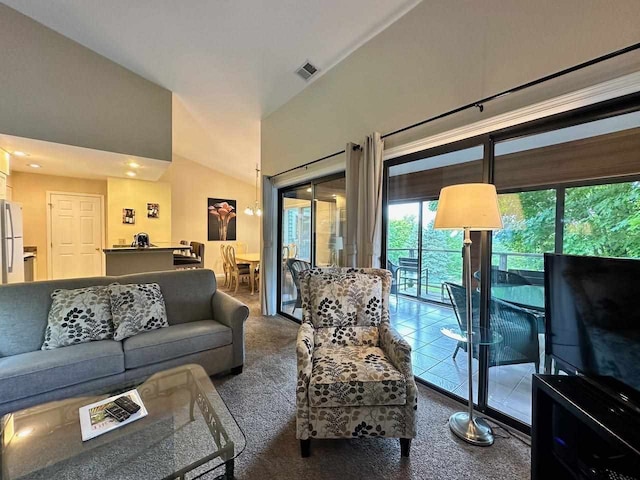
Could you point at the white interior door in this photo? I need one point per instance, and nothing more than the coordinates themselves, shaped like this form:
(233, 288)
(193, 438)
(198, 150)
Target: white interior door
(76, 236)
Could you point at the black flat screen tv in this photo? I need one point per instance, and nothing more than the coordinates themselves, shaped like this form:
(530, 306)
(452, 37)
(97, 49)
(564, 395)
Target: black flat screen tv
(592, 317)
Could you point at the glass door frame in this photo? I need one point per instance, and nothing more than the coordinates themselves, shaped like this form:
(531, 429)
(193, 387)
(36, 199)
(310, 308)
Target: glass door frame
(611, 108)
(312, 240)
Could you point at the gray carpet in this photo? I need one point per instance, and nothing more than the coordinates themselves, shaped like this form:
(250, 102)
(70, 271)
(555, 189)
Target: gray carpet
(263, 401)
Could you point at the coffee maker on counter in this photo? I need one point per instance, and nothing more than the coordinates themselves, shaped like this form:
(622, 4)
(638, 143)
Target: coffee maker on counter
(141, 240)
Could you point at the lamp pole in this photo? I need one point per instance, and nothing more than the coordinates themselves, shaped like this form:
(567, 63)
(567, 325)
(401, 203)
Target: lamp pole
(470, 429)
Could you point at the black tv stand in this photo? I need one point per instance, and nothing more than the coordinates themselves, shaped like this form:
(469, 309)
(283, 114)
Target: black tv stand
(581, 432)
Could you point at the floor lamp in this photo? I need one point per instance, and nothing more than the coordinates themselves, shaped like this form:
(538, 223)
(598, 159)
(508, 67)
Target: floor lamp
(471, 206)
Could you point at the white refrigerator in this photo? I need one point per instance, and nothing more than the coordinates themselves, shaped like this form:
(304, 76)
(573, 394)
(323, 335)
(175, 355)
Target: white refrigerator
(11, 243)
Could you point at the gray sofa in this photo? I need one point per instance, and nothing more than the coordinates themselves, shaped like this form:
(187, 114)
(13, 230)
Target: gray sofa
(206, 327)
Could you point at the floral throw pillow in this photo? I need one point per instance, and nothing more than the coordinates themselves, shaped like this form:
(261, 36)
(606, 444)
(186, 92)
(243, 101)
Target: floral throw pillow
(137, 308)
(78, 316)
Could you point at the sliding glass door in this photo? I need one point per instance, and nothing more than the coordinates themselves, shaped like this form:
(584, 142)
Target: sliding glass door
(423, 260)
(561, 191)
(312, 231)
(567, 185)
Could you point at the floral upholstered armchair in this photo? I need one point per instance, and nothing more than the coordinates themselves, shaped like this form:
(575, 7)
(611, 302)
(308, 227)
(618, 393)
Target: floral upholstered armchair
(354, 371)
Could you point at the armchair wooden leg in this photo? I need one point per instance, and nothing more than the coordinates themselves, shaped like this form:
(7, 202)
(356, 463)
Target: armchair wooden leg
(305, 448)
(405, 446)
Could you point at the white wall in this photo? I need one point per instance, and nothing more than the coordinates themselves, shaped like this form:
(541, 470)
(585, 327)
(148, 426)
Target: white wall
(444, 54)
(191, 185)
(54, 89)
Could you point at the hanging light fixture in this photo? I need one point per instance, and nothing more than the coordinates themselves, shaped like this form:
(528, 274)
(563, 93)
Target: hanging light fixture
(256, 210)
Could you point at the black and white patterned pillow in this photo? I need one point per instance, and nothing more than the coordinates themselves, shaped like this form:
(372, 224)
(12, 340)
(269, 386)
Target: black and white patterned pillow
(78, 316)
(137, 308)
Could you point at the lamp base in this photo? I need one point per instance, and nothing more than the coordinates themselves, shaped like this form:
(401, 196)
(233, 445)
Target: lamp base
(475, 430)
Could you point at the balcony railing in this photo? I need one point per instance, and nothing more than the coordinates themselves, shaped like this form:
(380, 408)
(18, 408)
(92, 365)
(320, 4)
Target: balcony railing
(444, 265)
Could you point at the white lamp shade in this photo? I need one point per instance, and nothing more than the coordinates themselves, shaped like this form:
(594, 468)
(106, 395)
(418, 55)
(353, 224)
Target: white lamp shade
(470, 205)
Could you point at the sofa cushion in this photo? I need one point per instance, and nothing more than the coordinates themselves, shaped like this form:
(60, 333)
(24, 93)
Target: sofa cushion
(345, 299)
(33, 373)
(174, 341)
(136, 308)
(78, 316)
(187, 293)
(354, 376)
(24, 308)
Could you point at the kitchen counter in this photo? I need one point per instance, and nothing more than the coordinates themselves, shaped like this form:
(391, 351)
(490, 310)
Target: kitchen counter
(126, 260)
(154, 248)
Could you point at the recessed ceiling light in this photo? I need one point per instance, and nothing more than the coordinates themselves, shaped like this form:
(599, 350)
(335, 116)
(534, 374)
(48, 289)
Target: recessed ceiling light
(133, 164)
(18, 153)
(34, 165)
(130, 174)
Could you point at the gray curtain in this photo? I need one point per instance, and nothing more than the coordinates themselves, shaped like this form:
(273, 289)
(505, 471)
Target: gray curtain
(364, 202)
(270, 261)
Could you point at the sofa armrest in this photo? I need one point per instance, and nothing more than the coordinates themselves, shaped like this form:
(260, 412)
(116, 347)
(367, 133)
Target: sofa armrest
(232, 313)
(304, 355)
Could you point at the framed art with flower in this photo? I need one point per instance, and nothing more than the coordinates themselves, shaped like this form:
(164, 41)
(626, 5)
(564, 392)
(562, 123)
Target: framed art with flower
(221, 219)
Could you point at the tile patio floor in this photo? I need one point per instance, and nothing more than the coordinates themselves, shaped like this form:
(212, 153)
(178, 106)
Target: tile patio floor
(420, 323)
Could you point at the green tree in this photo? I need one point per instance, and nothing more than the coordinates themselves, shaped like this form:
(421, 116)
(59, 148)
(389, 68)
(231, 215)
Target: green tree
(603, 220)
(403, 235)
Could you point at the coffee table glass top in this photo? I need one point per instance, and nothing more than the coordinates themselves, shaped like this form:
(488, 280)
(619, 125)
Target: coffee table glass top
(188, 429)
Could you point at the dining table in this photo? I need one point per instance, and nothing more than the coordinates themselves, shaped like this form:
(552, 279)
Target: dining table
(253, 259)
(530, 297)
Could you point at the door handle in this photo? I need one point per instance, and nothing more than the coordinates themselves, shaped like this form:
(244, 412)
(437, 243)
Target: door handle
(97, 249)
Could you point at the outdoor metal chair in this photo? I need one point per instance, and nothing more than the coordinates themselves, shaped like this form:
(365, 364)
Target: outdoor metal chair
(517, 326)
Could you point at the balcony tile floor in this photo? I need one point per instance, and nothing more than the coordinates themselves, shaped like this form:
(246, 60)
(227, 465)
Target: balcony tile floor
(420, 323)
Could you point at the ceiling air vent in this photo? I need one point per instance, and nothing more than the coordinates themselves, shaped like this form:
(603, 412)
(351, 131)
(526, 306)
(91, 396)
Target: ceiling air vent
(306, 71)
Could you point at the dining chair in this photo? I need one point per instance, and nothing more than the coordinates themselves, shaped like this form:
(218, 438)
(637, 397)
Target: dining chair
(195, 260)
(236, 272)
(225, 264)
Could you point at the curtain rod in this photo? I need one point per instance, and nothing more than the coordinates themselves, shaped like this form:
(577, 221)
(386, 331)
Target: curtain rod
(479, 104)
(355, 147)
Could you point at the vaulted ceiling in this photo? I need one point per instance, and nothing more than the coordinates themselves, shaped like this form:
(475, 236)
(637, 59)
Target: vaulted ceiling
(229, 62)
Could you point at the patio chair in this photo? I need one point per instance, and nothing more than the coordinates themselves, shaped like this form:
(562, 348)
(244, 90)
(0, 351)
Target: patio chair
(517, 326)
(394, 279)
(296, 267)
(354, 371)
(502, 277)
(409, 271)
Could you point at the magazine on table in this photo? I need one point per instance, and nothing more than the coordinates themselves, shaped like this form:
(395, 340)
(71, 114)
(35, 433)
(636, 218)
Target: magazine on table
(94, 420)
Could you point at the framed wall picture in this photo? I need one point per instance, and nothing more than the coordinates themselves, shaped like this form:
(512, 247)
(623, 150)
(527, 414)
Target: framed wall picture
(221, 219)
(129, 216)
(153, 210)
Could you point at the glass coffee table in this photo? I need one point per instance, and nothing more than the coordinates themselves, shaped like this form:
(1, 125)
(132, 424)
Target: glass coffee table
(188, 432)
